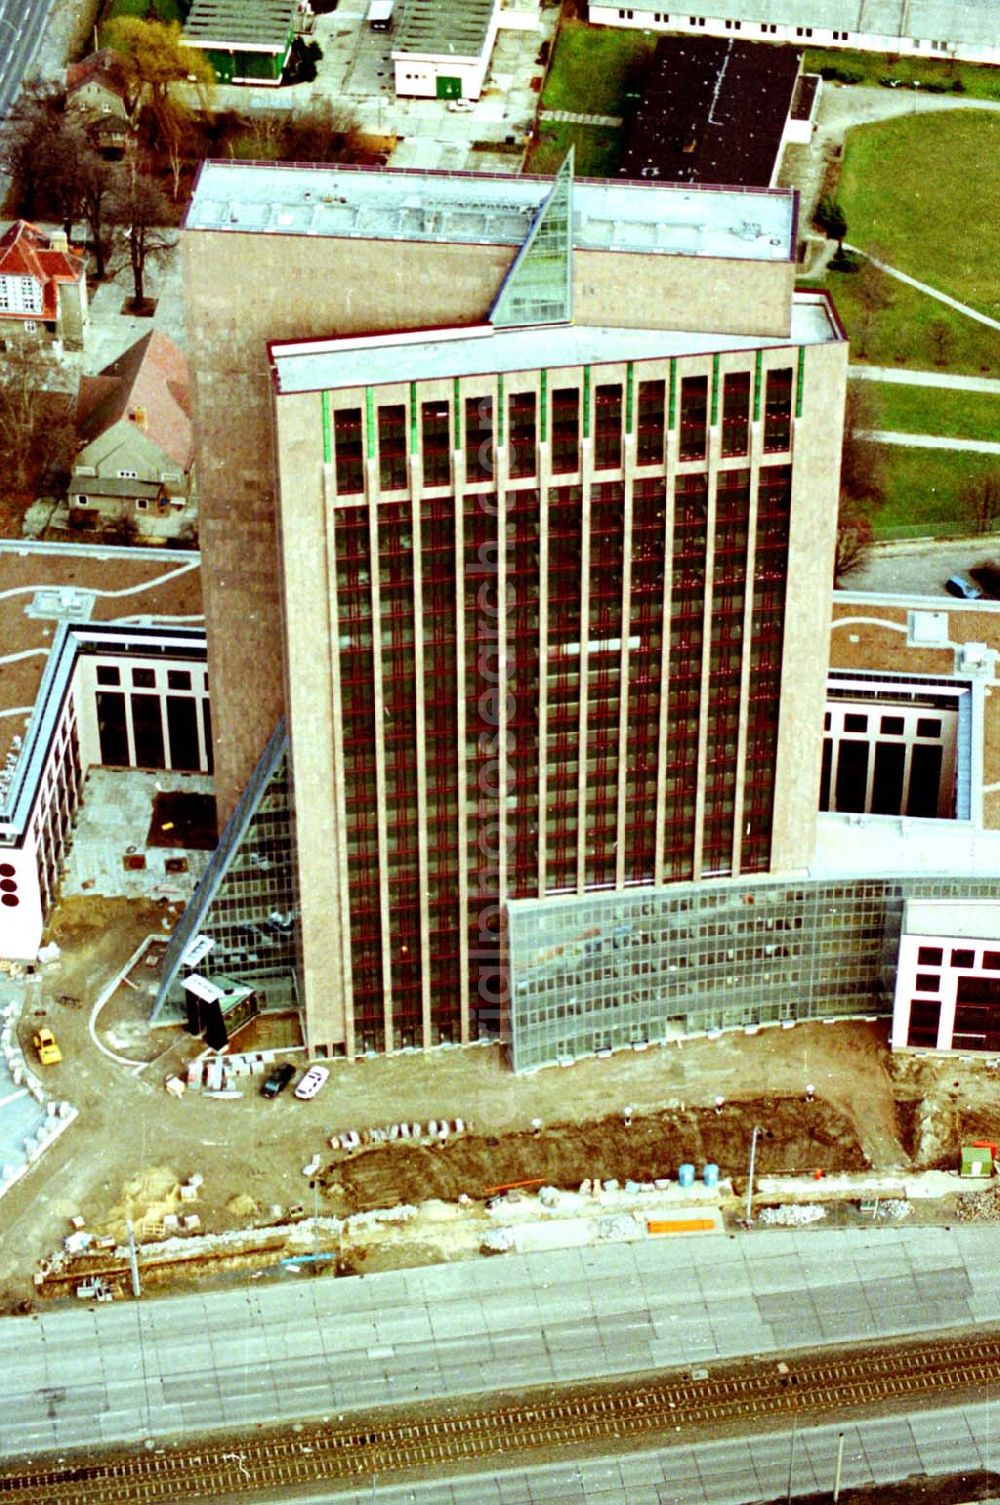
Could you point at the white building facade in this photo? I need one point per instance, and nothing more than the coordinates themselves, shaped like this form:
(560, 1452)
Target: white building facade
(965, 30)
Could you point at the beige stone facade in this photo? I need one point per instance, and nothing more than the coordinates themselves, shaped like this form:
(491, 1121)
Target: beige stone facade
(619, 484)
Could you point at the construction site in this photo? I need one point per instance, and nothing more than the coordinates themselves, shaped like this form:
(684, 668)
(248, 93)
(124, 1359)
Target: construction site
(426, 1157)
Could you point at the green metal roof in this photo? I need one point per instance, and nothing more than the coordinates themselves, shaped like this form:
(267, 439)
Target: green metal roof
(261, 25)
(444, 27)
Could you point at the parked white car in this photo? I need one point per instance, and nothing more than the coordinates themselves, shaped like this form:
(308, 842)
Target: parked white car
(312, 1082)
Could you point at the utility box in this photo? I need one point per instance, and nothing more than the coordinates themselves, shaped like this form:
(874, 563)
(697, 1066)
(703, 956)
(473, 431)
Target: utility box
(977, 1160)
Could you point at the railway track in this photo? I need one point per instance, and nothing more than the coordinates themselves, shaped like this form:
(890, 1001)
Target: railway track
(664, 1410)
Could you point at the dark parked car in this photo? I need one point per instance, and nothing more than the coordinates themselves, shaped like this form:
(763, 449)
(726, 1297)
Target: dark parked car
(278, 1080)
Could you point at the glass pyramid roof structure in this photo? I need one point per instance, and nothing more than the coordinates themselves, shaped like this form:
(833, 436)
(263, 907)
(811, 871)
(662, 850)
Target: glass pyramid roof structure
(538, 288)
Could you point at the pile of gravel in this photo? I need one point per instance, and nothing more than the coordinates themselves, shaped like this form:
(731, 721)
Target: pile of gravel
(791, 1215)
(978, 1206)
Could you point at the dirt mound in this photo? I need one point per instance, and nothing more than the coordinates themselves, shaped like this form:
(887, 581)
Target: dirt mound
(933, 1130)
(807, 1136)
(83, 915)
(146, 1198)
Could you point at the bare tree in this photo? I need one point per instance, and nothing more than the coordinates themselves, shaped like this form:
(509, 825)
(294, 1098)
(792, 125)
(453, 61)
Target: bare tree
(943, 340)
(142, 213)
(99, 182)
(861, 473)
(36, 434)
(25, 141)
(874, 294)
(324, 131)
(980, 497)
(854, 539)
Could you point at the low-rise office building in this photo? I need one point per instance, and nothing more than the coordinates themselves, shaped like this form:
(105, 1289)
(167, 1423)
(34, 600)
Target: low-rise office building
(965, 30)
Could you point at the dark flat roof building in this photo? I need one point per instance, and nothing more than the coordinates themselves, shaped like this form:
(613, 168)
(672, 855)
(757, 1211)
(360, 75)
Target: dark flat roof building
(712, 111)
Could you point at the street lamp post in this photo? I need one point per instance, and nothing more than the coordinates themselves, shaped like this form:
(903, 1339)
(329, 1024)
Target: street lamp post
(753, 1156)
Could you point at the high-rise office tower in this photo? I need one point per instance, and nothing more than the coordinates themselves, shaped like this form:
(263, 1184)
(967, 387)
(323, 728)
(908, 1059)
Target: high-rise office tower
(543, 583)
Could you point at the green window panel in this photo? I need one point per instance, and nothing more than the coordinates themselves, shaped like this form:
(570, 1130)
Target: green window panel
(586, 402)
(801, 382)
(370, 414)
(758, 382)
(715, 390)
(629, 374)
(327, 441)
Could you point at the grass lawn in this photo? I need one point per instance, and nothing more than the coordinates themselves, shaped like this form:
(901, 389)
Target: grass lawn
(598, 151)
(166, 10)
(923, 487)
(935, 410)
(903, 332)
(591, 67)
(980, 83)
(922, 191)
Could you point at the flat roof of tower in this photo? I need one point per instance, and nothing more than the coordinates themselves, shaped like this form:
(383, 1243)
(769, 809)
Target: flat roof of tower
(313, 365)
(745, 224)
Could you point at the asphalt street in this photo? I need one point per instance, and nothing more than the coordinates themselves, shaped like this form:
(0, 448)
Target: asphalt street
(22, 23)
(316, 1348)
(920, 569)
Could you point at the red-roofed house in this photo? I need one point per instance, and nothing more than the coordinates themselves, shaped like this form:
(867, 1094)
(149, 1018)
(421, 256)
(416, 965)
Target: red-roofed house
(43, 287)
(97, 93)
(134, 419)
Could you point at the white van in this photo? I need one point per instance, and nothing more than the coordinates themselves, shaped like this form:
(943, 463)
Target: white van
(380, 15)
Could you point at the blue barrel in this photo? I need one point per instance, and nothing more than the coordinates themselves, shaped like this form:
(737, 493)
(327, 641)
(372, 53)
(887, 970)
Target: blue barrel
(710, 1175)
(685, 1176)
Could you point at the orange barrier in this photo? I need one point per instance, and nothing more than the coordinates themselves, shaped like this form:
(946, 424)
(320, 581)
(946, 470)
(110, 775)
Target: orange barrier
(492, 1191)
(681, 1225)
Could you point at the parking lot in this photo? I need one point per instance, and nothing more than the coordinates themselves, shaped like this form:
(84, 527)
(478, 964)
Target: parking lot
(355, 71)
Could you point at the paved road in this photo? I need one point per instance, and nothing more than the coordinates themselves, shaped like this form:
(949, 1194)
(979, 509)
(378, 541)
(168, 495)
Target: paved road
(907, 378)
(321, 1347)
(959, 1440)
(22, 23)
(920, 569)
(930, 441)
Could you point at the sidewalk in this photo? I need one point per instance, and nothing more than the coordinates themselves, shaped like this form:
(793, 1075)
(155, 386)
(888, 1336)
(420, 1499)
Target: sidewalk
(930, 441)
(907, 378)
(925, 287)
(572, 117)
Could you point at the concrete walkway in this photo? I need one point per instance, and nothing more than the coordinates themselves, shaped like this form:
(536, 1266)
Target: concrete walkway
(930, 441)
(925, 287)
(570, 117)
(952, 380)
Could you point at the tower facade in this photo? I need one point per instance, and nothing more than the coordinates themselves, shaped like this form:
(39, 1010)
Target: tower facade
(554, 573)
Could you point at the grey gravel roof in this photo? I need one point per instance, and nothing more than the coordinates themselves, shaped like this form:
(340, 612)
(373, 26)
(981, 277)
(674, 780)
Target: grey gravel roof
(974, 21)
(458, 27)
(247, 24)
(488, 209)
(313, 365)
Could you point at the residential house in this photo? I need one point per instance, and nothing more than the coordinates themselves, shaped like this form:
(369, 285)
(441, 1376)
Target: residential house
(97, 94)
(134, 421)
(43, 288)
